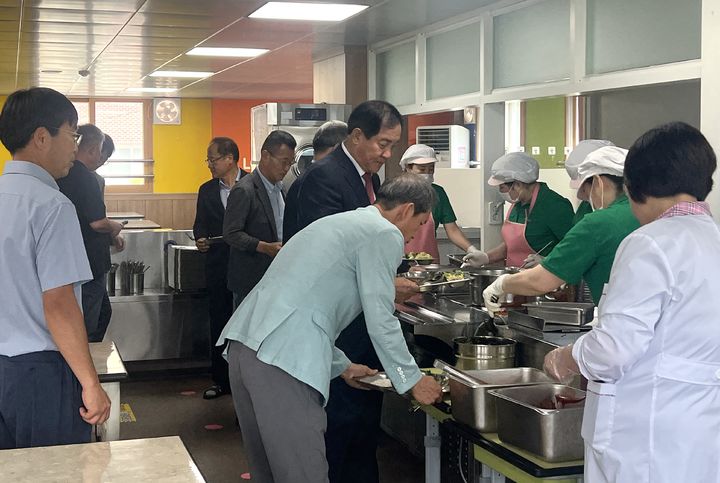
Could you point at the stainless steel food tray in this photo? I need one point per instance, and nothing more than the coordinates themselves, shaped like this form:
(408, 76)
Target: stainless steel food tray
(552, 434)
(567, 313)
(520, 319)
(472, 403)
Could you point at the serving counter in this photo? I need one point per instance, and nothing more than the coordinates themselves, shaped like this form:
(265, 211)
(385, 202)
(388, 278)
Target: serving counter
(153, 459)
(451, 448)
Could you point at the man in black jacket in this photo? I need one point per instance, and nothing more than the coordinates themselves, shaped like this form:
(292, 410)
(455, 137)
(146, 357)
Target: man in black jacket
(222, 159)
(346, 180)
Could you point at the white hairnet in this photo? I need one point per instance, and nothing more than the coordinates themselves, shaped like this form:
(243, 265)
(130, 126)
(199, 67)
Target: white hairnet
(514, 167)
(578, 154)
(418, 154)
(607, 160)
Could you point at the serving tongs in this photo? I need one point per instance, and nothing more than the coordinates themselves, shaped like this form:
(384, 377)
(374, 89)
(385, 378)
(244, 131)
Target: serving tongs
(457, 375)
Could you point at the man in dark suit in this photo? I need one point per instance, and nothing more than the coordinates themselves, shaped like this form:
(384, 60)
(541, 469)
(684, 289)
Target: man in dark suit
(254, 223)
(346, 180)
(222, 159)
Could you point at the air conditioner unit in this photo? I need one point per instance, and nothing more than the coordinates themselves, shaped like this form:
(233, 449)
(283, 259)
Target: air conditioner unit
(451, 143)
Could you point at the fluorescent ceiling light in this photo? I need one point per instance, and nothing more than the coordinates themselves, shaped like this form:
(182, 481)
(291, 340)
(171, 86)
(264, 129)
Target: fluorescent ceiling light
(151, 89)
(182, 74)
(227, 52)
(324, 12)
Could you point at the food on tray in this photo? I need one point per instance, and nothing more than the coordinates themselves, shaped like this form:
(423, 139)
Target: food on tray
(454, 275)
(418, 256)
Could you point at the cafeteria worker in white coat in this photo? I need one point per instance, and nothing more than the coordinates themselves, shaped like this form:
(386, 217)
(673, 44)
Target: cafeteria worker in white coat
(652, 412)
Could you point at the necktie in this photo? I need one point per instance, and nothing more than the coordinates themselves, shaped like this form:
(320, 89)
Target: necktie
(367, 177)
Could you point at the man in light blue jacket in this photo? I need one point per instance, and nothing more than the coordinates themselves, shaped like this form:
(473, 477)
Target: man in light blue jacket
(281, 349)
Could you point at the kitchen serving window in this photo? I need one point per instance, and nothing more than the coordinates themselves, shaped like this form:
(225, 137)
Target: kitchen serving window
(130, 168)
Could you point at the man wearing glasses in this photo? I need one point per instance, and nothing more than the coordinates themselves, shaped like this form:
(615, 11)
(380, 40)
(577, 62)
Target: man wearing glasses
(254, 219)
(222, 160)
(99, 232)
(49, 391)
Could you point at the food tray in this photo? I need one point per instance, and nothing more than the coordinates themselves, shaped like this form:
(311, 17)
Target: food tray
(552, 434)
(474, 406)
(565, 313)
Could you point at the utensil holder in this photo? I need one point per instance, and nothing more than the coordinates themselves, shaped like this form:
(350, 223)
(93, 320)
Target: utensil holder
(110, 284)
(137, 283)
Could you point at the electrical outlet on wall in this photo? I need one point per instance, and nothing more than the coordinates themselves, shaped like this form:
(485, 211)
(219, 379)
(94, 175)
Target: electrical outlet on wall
(551, 150)
(495, 212)
(535, 150)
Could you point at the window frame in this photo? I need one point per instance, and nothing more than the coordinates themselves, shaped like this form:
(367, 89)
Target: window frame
(148, 161)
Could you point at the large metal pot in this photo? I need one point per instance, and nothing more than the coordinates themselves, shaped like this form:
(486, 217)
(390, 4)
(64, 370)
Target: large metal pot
(484, 352)
(482, 278)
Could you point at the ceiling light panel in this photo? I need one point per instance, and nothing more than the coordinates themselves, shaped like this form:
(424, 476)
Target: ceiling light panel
(320, 12)
(181, 74)
(151, 89)
(227, 52)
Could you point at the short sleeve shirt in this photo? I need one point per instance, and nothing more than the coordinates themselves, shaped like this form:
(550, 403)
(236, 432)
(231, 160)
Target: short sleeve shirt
(583, 209)
(41, 250)
(549, 220)
(443, 212)
(81, 187)
(588, 250)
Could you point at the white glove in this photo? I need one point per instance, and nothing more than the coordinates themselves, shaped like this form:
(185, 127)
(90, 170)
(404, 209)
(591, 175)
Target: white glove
(475, 258)
(493, 293)
(560, 365)
(532, 260)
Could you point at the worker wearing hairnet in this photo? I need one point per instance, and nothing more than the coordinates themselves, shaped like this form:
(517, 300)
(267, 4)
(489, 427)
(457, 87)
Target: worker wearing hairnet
(572, 162)
(653, 360)
(588, 250)
(537, 220)
(420, 159)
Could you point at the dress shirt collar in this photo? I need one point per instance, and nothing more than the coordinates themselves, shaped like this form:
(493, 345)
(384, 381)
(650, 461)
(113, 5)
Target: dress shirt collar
(225, 186)
(277, 187)
(360, 171)
(30, 169)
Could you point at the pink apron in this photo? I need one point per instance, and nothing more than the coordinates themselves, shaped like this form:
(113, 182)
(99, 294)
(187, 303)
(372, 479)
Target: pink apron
(424, 240)
(513, 235)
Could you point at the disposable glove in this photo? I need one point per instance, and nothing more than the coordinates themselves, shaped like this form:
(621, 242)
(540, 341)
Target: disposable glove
(493, 293)
(560, 365)
(532, 260)
(475, 258)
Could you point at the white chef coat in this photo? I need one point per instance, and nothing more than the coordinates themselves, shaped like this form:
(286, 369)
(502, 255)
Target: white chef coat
(656, 415)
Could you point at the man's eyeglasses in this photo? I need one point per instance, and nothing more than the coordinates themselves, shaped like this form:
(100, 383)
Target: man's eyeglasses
(76, 135)
(285, 164)
(215, 160)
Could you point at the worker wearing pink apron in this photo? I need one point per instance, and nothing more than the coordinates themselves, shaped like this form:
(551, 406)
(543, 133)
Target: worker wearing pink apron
(420, 159)
(537, 220)
(513, 234)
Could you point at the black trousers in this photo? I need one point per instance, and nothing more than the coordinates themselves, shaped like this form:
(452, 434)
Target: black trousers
(40, 401)
(353, 415)
(220, 301)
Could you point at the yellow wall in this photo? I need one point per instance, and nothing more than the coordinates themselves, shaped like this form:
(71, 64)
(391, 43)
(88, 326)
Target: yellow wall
(4, 153)
(179, 151)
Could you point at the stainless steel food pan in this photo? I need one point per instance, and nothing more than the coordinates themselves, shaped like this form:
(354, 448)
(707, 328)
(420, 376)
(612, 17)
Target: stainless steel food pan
(471, 402)
(568, 313)
(552, 434)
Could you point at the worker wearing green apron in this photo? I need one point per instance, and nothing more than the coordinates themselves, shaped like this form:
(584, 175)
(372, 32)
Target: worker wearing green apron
(538, 219)
(572, 162)
(588, 249)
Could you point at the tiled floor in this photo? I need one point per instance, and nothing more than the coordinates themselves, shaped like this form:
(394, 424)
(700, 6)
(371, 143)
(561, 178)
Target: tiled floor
(161, 410)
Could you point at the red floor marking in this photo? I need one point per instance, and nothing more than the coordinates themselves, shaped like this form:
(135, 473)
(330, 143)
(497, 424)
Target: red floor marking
(245, 476)
(213, 427)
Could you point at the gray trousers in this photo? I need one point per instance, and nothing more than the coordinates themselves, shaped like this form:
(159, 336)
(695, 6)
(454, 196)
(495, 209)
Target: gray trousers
(282, 421)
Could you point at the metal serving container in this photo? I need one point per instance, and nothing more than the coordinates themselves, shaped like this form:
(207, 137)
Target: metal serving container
(484, 352)
(471, 402)
(552, 434)
(482, 278)
(567, 313)
(186, 268)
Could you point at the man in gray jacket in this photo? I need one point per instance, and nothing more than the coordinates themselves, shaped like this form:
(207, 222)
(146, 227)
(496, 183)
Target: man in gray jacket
(253, 221)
